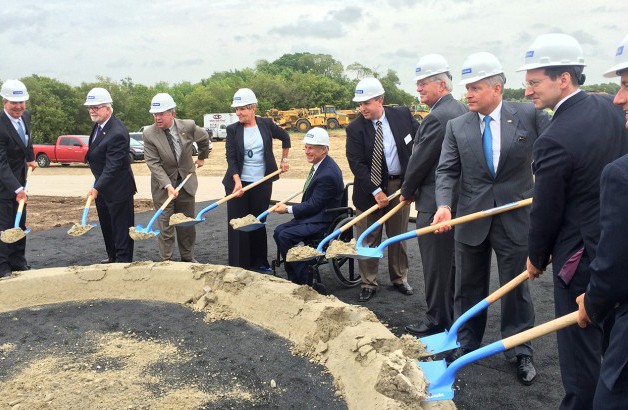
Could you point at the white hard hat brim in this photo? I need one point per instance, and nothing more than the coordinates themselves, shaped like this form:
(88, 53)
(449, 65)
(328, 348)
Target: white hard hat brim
(422, 76)
(478, 78)
(17, 99)
(534, 66)
(612, 72)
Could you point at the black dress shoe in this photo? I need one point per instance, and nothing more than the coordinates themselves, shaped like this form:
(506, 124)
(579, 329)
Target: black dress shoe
(526, 373)
(456, 354)
(366, 294)
(22, 267)
(107, 261)
(422, 329)
(404, 288)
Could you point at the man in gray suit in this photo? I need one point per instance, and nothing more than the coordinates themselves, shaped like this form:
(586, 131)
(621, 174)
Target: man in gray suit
(488, 151)
(433, 82)
(168, 153)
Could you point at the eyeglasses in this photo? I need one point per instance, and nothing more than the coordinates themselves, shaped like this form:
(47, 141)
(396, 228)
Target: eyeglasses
(531, 83)
(94, 107)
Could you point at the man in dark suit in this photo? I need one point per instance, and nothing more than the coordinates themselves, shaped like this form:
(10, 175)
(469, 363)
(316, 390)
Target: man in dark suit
(488, 152)
(586, 134)
(113, 190)
(379, 145)
(323, 190)
(168, 145)
(16, 155)
(433, 81)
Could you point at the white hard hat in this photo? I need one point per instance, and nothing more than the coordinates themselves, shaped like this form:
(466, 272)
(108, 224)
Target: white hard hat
(316, 136)
(14, 90)
(161, 102)
(244, 96)
(478, 66)
(368, 88)
(429, 65)
(97, 96)
(551, 50)
(621, 59)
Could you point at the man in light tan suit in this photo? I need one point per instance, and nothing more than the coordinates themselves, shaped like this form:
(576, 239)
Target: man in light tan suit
(168, 153)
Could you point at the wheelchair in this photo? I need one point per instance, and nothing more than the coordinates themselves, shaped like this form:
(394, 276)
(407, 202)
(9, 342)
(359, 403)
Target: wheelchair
(344, 270)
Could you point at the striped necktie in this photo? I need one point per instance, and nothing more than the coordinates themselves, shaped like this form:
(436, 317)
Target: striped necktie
(309, 178)
(378, 154)
(20, 130)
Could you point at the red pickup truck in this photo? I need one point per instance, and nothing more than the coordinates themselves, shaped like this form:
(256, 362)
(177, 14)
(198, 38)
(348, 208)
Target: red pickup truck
(69, 148)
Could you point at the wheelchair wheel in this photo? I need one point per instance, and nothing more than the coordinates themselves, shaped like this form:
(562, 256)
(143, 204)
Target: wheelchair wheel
(344, 269)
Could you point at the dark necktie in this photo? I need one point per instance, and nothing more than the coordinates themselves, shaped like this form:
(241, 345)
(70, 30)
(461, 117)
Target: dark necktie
(98, 134)
(20, 130)
(171, 143)
(487, 144)
(378, 154)
(308, 179)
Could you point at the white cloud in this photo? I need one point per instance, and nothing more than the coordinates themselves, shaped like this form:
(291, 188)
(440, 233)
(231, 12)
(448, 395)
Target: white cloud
(186, 41)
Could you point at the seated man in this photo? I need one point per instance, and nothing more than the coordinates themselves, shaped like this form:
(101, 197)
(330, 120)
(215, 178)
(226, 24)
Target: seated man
(323, 190)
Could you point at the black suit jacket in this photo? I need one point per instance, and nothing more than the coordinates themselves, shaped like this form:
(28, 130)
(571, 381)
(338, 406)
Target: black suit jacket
(360, 147)
(420, 178)
(235, 148)
(108, 159)
(586, 133)
(324, 192)
(13, 155)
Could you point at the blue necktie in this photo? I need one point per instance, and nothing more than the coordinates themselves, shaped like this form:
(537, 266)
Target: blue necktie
(487, 144)
(98, 134)
(20, 130)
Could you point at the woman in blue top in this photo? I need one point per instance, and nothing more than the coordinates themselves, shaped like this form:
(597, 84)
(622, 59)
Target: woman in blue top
(249, 158)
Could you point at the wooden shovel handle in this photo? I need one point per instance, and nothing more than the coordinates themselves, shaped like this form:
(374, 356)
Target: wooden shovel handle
(364, 214)
(20, 207)
(541, 330)
(390, 213)
(499, 293)
(272, 208)
(474, 216)
(171, 197)
(89, 201)
(246, 188)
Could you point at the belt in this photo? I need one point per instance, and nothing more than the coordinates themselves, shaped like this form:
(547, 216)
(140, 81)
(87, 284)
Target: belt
(393, 177)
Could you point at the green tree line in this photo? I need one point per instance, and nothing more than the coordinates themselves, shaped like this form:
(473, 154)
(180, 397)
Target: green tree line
(293, 80)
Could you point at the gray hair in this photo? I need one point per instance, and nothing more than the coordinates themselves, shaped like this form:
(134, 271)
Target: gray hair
(496, 79)
(445, 78)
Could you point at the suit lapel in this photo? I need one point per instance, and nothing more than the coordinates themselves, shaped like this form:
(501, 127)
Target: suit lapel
(13, 132)
(509, 125)
(240, 139)
(474, 139)
(161, 136)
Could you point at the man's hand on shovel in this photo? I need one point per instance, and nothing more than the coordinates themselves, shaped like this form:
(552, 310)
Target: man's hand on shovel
(583, 317)
(381, 199)
(443, 214)
(93, 192)
(533, 271)
(21, 196)
(172, 191)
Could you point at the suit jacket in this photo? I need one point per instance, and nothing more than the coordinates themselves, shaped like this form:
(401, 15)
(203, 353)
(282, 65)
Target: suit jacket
(13, 155)
(108, 159)
(360, 147)
(462, 160)
(587, 132)
(235, 148)
(420, 178)
(324, 192)
(164, 167)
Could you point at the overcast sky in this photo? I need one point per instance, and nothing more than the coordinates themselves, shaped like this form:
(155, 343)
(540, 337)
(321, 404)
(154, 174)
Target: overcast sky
(188, 40)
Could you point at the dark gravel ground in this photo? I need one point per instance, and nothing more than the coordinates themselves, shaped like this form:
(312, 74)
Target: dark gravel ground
(488, 384)
(216, 357)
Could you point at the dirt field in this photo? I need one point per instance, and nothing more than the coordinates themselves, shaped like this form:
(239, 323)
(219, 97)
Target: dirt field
(217, 163)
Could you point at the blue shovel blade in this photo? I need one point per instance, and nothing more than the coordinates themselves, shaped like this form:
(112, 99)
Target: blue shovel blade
(251, 227)
(438, 389)
(367, 253)
(27, 230)
(190, 223)
(440, 342)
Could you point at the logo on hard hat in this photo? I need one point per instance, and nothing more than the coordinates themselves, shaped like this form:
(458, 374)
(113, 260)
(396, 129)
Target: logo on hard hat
(530, 54)
(359, 91)
(17, 92)
(620, 50)
(418, 69)
(237, 98)
(90, 97)
(467, 70)
(309, 134)
(156, 104)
